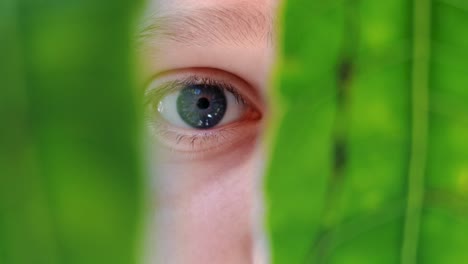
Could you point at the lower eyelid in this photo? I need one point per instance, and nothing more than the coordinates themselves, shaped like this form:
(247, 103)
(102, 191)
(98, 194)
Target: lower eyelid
(205, 143)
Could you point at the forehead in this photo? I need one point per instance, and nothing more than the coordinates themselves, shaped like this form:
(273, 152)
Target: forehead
(209, 22)
(171, 5)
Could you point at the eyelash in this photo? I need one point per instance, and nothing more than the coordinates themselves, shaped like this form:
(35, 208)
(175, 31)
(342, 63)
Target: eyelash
(156, 94)
(194, 137)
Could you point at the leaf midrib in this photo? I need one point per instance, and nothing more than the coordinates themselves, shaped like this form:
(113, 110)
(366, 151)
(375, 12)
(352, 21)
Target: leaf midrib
(419, 129)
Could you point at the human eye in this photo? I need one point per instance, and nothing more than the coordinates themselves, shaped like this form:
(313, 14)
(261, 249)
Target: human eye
(202, 110)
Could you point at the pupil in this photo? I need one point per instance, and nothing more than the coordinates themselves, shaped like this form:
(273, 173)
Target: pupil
(201, 106)
(203, 103)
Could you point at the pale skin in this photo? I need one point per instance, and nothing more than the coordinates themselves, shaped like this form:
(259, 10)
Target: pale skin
(207, 182)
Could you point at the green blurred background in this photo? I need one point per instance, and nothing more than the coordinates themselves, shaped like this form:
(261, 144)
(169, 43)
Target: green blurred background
(369, 148)
(374, 133)
(70, 178)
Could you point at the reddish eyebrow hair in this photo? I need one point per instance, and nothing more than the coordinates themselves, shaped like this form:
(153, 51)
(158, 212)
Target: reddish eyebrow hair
(235, 25)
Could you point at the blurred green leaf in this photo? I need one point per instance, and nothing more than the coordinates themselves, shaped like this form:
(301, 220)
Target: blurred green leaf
(70, 181)
(370, 156)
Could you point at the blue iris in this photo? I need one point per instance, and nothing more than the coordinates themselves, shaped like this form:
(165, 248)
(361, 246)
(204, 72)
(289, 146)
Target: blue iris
(202, 106)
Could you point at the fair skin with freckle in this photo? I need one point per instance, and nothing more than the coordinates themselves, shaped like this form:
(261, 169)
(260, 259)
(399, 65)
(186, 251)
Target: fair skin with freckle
(207, 180)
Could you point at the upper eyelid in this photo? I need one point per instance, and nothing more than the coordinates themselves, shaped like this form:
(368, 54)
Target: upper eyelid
(154, 92)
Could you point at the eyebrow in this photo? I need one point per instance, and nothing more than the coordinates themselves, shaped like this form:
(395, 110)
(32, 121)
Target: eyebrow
(235, 25)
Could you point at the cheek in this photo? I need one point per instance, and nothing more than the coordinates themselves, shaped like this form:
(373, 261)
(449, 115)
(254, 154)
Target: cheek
(205, 208)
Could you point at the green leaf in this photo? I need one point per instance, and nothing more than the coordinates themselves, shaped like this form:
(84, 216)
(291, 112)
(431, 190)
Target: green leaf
(377, 171)
(70, 181)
